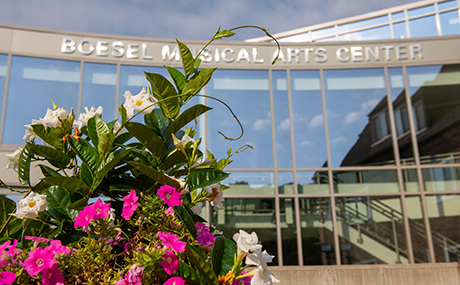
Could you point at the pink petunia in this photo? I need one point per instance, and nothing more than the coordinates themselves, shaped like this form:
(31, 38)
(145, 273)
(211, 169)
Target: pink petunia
(8, 250)
(206, 239)
(101, 209)
(84, 217)
(52, 276)
(175, 281)
(57, 248)
(243, 281)
(201, 228)
(38, 239)
(7, 278)
(171, 241)
(38, 260)
(170, 262)
(169, 195)
(130, 205)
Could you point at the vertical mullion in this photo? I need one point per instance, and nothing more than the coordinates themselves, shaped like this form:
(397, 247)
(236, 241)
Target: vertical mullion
(438, 21)
(117, 91)
(80, 88)
(5, 95)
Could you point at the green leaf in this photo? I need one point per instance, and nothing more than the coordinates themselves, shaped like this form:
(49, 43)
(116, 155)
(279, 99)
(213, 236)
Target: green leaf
(13, 225)
(187, 58)
(86, 175)
(79, 204)
(205, 177)
(52, 136)
(122, 138)
(69, 183)
(155, 175)
(110, 163)
(178, 78)
(124, 116)
(96, 127)
(223, 34)
(186, 117)
(163, 90)
(105, 144)
(48, 171)
(187, 272)
(222, 255)
(197, 63)
(205, 271)
(157, 121)
(85, 152)
(58, 200)
(24, 165)
(186, 219)
(196, 82)
(149, 139)
(54, 156)
(173, 159)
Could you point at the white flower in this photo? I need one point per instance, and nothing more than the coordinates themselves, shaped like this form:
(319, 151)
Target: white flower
(185, 139)
(139, 102)
(197, 208)
(112, 215)
(84, 117)
(12, 160)
(259, 258)
(53, 117)
(247, 242)
(30, 135)
(216, 195)
(30, 206)
(263, 276)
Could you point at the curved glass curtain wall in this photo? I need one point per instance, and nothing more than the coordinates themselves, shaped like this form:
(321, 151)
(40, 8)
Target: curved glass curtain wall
(438, 19)
(361, 196)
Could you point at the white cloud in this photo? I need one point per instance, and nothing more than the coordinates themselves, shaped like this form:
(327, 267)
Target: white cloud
(285, 124)
(306, 143)
(369, 105)
(339, 140)
(353, 117)
(317, 121)
(261, 124)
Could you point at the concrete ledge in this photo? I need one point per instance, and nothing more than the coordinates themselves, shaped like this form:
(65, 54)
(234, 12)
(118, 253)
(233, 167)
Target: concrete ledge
(407, 274)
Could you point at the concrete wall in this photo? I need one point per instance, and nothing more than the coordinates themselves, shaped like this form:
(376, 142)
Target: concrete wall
(410, 274)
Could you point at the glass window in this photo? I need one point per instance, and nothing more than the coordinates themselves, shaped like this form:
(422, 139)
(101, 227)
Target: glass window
(3, 73)
(248, 183)
(423, 27)
(371, 230)
(417, 229)
(323, 33)
(295, 38)
(363, 24)
(330, 39)
(251, 215)
(410, 180)
(317, 231)
(447, 5)
(312, 182)
(285, 182)
(441, 179)
(379, 33)
(247, 93)
(353, 98)
(420, 11)
(308, 119)
(99, 88)
(434, 93)
(444, 215)
(288, 231)
(282, 119)
(34, 82)
(397, 16)
(372, 181)
(399, 30)
(450, 24)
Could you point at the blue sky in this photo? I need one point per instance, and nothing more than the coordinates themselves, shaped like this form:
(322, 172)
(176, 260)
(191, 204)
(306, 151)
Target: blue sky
(186, 19)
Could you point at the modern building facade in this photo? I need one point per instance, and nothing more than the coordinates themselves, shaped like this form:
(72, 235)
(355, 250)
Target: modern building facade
(355, 130)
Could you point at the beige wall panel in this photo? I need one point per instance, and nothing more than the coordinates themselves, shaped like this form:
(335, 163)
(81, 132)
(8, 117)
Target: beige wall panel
(5, 39)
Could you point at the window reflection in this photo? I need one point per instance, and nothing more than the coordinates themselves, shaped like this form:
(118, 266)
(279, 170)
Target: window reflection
(371, 230)
(363, 24)
(249, 214)
(355, 100)
(3, 72)
(447, 4)
(288, 231)
(247, 92)
(434, 94)
(285, 182)
(313, 182)
(417, 229)
(99, 88)
(441, 179)
(410, 180)
(444, 215)
(397, 16)
(317, 231)
(34, 82)
(423, 27)
(282, 119)
(308, 119)
(399, 30)
(420, 11)
(372, 181)
(323, 33)
(450, 23)
(379, 33)
(247, 183)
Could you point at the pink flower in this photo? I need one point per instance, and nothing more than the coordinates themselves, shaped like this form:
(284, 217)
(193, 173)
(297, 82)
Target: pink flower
(206, 239)
(57, 248)
(130, 205)
(175, 281)
(38, 260)
(201, 228)
(171, 241)
(7, 278)
(102, 209)
(169, 195)
(52, 276)
(38, 239)
(84, 217)
(133, 277)
(243, 281)
(7, 250)
(171, 262)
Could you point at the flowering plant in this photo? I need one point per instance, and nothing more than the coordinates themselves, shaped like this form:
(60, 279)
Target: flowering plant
(153, 179)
